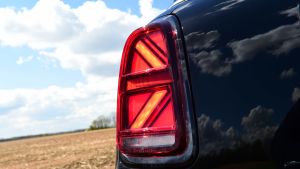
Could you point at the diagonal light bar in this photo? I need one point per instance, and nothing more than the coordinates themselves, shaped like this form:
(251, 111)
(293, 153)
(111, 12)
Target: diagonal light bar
(148, 55)
(152, 103)
(160, 53)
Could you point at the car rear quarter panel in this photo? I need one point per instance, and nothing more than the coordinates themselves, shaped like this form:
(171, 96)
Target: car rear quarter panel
(244, 65)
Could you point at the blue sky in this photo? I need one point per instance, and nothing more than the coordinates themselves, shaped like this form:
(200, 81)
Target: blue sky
(60, 59)
(37, 74)
(122, 5)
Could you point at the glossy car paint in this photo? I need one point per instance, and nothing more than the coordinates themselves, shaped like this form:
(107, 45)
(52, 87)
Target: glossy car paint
(243, 63)
(244, 66)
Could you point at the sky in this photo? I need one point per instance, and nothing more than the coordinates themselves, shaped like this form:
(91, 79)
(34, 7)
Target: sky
(60, 60)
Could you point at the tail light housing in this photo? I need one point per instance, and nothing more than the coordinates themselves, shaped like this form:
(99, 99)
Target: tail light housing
(152, 118)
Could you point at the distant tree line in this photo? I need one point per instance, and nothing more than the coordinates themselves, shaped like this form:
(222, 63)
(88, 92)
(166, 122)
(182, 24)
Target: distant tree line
(102, 122)
(39, 135)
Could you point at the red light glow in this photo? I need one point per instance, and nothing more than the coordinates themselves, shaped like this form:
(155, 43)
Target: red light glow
(146, 104)
(151, 104)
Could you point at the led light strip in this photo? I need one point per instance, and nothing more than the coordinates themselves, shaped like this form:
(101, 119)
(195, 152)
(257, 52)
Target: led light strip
(148, 55)
(152, 103)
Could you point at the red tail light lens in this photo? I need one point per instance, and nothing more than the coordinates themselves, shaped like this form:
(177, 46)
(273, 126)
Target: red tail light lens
(150, 121)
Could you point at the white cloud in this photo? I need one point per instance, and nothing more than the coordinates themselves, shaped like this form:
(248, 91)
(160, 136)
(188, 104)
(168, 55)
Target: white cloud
(200, 40)
(45, 25)
(21, 60)
(213, 137)
(289, 73)
(296, 94)
(258, 117)
(258, 124)
(88, 38)
(147, 11)
(73, 36)
(278, 41)
(28, 109)
(291, 12)
(210, 61)
(229, 4)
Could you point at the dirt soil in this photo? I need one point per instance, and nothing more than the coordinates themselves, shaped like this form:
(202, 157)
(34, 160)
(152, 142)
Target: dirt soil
(87, 150)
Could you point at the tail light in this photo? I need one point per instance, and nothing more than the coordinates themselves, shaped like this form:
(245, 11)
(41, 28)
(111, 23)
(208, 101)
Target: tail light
(151, 119)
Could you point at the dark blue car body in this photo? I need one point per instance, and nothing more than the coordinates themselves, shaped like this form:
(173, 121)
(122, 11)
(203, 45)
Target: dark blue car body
(243, 64)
